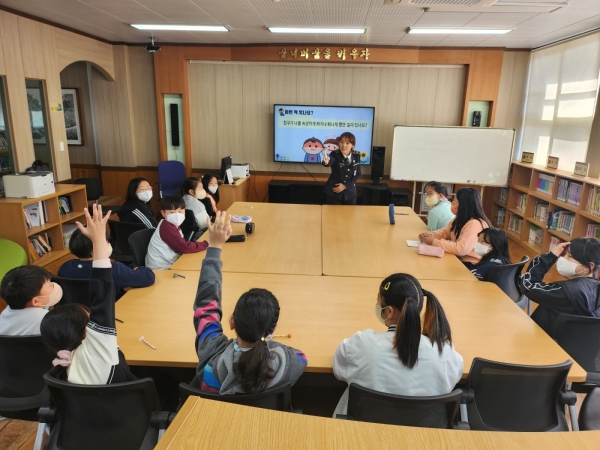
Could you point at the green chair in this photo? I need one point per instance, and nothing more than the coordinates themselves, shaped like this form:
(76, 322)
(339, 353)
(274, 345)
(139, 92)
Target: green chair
(13, 256)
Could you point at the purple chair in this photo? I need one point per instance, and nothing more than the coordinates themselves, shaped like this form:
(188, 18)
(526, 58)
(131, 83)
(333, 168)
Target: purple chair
(171, 175)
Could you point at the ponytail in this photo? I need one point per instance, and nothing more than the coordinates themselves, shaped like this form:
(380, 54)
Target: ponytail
(408, 333)
(255, 369)
(435, 325)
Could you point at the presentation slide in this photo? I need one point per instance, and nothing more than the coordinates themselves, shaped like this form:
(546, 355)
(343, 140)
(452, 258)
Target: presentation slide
(303, 134)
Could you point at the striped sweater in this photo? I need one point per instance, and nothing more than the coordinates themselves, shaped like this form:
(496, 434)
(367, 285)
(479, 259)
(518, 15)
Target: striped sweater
(218, 356)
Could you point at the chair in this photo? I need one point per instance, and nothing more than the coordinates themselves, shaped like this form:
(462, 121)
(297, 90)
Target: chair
(13, 255)
(171, 175)
(190, 226)
(580, 338)
(119, 236)
(278, 399)
(439, 411)
(119, 416)
(589, 415)
(75, 290)
(507, 277)
(93, 189)
(23, 362)
(510, 397)
(138, 242)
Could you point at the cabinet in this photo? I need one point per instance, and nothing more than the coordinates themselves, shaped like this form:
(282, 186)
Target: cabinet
(13, 225)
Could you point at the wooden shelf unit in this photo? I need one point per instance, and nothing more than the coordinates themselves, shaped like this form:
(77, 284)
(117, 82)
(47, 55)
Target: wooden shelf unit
(13, 227)
(525, 181)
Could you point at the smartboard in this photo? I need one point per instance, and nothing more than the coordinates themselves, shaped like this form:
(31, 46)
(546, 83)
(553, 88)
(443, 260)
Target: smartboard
(464, 155)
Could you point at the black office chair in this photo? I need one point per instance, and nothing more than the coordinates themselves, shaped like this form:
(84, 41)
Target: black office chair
(94, 191)
(119, 237)
(278, 399)
(506, 277)
(138, 242)
(580, 338)
(589, 414)
(119, 416)
(75, 290)
(510, 397)
(190, 226)
(440, 411)
(23, 362)
(171, 175)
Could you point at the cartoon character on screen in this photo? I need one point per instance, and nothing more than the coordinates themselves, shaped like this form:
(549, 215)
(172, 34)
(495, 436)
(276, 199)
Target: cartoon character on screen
(331, 144)
(313, 148)
(281, 112)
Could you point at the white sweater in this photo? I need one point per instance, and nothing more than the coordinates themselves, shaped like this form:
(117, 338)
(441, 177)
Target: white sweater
(369, 359)
(199, 210)
(21, 322)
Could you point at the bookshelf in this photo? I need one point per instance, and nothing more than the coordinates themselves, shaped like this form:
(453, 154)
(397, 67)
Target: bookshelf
(536, 196)
(13, 223)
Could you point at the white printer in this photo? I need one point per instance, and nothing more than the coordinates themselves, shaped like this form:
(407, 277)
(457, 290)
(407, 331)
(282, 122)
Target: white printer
(240, 171)
(29, 184)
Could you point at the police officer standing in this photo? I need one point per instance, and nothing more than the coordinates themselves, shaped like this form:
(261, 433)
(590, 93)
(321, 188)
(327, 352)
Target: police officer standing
(345, 170)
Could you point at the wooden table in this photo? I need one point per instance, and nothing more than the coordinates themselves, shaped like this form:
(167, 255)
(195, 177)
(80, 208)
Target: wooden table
(207, 424)
(231, 193)
(360, 242)
(287, 240)
(321, 311)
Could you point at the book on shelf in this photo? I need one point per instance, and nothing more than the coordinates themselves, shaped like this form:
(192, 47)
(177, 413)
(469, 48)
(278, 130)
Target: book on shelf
(521, 202)
(68, 229)
(545, 183)
(554, 241)
(500, 216)
(540, 211)
(536, 235)
(515, 223)
(34, 215)
(64, 205)
(593, 202)
(27, 219)
(593, 230)
(39, 245)
(569, 191)
(503, 195)
(561, 221)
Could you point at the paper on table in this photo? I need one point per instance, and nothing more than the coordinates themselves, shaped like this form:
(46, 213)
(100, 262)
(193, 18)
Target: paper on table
(413, 243)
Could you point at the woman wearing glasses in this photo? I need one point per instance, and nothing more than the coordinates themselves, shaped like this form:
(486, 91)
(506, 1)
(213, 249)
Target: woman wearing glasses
(137, 204)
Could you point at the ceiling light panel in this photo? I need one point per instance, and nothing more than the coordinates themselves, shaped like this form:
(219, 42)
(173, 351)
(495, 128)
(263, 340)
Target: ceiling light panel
(420, 30)
(317, 30)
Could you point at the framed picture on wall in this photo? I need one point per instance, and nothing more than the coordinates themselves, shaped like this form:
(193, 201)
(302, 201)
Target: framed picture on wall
(36, 115)
(72, 116)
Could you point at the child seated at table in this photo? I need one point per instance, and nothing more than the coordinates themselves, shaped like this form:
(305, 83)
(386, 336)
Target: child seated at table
(436, 197)
(403, 360)
(251, 362)
(492, 246)
(28, 292)
(85, 340)
(167, 243)
(124, 277)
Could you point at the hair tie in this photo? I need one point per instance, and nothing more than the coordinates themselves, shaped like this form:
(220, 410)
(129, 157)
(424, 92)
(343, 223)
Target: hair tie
(262, 339)
(64, 358)
(387, 286)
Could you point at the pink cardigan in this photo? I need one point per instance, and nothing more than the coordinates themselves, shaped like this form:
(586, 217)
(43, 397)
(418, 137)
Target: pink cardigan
(464, 246)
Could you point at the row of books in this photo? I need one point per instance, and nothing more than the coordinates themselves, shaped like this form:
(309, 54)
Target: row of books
(67, 231)
(35, 214)
(503, 195)
(515, 223)
(64, 205)
(545, 183)
(562, 221)
(593, 231)
(536, 235)
(593, 203)
(39, 245)
(540, 211)
(500, 216)
(569, 191)
(521, 202)
(554, 241)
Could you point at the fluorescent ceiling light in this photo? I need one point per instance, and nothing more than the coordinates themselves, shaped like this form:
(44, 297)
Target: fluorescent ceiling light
(318, 30)
(456, 31)
(179, 27)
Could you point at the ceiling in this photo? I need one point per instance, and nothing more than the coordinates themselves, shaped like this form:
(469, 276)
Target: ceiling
(247, 20)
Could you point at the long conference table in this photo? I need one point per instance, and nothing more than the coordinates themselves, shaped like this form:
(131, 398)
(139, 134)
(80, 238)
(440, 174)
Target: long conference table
(324, 265)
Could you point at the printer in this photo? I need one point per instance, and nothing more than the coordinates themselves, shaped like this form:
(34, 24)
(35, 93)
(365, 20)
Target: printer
(28, 184)
(240, 171)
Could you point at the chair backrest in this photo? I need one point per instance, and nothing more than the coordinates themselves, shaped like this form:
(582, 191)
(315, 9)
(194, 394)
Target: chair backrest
(93, 187)
(367, 405)
(138, 242)
(171, 175)
(119, 235)
(589, 414)
(580, 338)
(506, 277)
(510, 397)
(115, 416)
(278, 399)
(75, 290)
(190, 226)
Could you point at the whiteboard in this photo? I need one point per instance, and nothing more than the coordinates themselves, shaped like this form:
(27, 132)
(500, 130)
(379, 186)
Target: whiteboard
(464, 155)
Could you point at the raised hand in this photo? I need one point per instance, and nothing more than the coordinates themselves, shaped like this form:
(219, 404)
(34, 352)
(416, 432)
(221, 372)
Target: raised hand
(326, 157)
(220, 230)
(96, 230)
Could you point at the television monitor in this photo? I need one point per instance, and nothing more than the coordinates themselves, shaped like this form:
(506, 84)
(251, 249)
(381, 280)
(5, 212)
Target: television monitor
(225, 165)
(304, 133)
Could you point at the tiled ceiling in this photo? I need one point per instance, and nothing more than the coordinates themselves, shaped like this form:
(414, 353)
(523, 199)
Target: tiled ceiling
(248, 20)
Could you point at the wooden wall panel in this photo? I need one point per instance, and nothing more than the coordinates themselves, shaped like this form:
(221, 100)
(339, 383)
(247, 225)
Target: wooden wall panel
(422, 93)
(2, 65)
(228, 89)
(511, 90)
(486, 66)
(202, 101)
(31, 44)
(73, 47)
(448, 105)
(282, 79)
(257, 113)
(338, 86)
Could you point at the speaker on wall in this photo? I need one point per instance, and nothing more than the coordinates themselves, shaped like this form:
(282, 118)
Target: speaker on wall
(174, 124)
(377, 162)
(476, 119)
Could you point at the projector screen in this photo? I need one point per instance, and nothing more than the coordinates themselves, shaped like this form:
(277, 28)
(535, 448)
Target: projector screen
(303, 134)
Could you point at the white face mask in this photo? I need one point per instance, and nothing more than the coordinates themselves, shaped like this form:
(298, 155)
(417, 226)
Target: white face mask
(145, 196)
(432, 200)
(567, 268)
(213, 189)
(54, 297)
(109, 250)
(482, 249)
(200, 195)
(176, 218)
(378, 310)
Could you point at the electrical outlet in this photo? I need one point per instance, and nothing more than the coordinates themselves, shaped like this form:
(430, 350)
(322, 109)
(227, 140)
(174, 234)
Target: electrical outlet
(62, 146)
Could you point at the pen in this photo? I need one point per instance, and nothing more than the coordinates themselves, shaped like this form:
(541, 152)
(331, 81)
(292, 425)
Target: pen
(119, 320)
(147, 343)
(175, 275)
(402, 214)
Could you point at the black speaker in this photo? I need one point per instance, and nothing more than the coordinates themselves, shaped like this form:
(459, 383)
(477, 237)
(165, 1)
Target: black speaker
(174, 125)
(476, 119)
(377, 163)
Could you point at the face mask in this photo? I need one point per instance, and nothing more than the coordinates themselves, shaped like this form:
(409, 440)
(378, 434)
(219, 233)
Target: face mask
(378, 310)
(54, 297)
(176, 218)
(482, 249)
(213, 189)
(109, 250)
(200, 195)
(145, 196)
(567, 268)
(454, 210)
(432, 200)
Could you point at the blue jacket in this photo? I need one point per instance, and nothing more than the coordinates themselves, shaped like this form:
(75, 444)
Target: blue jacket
(343, 172)
(123, 276)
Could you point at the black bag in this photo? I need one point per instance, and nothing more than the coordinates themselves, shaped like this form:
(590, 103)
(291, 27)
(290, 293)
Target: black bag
(38, 166)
